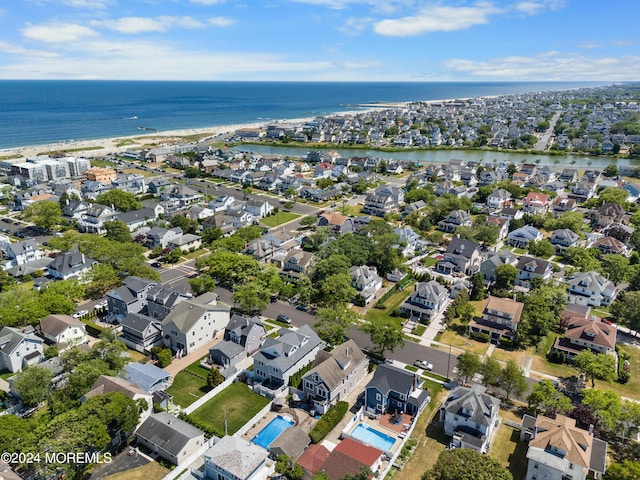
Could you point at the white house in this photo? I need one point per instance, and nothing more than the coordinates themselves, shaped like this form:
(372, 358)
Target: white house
(366, 281)
(62, 331)
(19, 347)
(591, 289)
(234, 458)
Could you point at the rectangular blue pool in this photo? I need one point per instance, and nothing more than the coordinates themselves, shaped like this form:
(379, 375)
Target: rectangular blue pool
(373, 437)
(268, 434)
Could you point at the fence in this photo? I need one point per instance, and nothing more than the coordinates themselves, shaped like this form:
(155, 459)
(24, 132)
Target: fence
(511, 423)
(245, 428)
(209, 395)
(180, 469)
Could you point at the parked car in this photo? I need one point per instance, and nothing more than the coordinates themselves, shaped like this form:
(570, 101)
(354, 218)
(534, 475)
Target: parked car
(101, 304)
(423, 364)
(156, 265)
(302, 308)
(283, 318)
(80, 313)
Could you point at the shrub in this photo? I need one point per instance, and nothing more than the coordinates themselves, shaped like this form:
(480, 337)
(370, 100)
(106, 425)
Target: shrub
(359, 301)
(555, 356)
(506, 343)
(164, 357)
(624, 376)
(328, 421)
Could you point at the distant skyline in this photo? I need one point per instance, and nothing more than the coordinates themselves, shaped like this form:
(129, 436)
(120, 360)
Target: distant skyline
(321, 40)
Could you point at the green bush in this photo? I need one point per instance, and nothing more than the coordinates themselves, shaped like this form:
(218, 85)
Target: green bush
(506, 342)
(328, 421)
(624, 376)
(555, 356)
(480, 337)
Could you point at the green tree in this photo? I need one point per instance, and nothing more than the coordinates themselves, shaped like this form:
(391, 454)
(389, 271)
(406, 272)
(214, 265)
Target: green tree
(32, 384)
(43, 214)
(541, 313)
(187, 225)
(117, 231)
(333, 324)
(214, 378)
(610, 170)
(490, 369)
(289, 468)
(336, 291)
(613, 195)
(505, 277)
(119, 199)
(547, 400)
(308, 221)
(385, 334)
(363, 474)
(202, 284)
(17, 434)
(625, 470)
(616, 267)
(304, 290)
(512, 379)
(114, 410)
(478, 289)
(541, 249)
(606, 406)
(466, 464)
(164, 357)
(595, 365)
(468, 365)
(251, 297)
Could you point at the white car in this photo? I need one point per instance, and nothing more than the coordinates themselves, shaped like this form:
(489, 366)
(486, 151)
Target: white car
(101, 304)
(80, 314)
(423, 364)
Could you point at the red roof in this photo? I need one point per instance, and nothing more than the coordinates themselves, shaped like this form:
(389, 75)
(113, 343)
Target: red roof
(313, 458)
(536, 198)
(363, 453)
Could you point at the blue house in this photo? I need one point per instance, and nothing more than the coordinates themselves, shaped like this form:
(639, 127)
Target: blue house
(393, 390)
(146, 377)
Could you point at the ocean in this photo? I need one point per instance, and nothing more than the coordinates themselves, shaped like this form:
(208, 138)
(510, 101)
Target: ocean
(34, 112)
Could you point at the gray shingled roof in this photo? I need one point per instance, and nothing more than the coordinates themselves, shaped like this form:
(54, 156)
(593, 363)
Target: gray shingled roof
(168, 432)
(277, 351)
(388, 378)
(187, 313)
(474, 400)
(335, 366)
(237, 456)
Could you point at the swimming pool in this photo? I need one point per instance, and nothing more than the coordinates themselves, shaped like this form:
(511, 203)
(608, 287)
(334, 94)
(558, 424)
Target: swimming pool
(268, 434)
(373, 437)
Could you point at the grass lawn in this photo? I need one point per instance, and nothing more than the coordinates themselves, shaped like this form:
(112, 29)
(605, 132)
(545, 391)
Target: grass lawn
(510, 451)
(239, 403)
(150, 470)
(451, 337)
(506, 355)
(541, 364)
(392, 302)
(196, 253)
(429, 261)
(189, 385)
(279, 218)
(632, 388)
(136, 356)
(519, 251)
(430, 437)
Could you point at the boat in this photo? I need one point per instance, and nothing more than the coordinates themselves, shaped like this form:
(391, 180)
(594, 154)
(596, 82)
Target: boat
(147, 128)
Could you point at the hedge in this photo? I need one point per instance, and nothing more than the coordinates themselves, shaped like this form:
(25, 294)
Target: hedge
(328, 421)
(93, 329)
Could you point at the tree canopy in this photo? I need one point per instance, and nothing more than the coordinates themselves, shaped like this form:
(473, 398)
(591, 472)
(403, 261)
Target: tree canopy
(119, 199)
(466, 464)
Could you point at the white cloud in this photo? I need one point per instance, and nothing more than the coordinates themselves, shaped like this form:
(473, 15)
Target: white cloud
(437, 19)
(590, 45)
(531, 7)
(552, 66)
(57, 32)
(355, 26)
(221, 21)
(85, 4)
(378, 5)
(11, 49)
(133, 25)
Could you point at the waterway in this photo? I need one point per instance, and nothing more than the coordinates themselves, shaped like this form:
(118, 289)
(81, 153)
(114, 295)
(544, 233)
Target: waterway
(443, 156)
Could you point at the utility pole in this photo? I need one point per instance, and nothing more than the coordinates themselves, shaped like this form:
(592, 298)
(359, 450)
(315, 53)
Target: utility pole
(448, 362)
(224, 409)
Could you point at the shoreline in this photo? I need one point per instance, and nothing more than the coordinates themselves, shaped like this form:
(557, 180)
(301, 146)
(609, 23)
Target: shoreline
(108, 145)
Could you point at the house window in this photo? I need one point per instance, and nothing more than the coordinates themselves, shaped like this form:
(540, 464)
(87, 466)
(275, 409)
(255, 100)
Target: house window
(378, 397)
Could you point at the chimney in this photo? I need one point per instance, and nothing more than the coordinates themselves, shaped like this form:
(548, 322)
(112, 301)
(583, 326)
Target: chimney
(591, 429)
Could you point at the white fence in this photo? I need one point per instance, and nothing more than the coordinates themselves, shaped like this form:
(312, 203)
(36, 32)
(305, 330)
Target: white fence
(256, 418)
(202, 400)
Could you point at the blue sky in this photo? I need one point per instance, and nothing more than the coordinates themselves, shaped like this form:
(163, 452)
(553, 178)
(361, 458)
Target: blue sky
(321, 40)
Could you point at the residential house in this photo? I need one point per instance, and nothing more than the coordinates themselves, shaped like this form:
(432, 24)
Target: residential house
(521, 237)
(531, 267)
(159, 185)
(500, 320)
(292, 442)
(569, 175)
(186, 242)
(281, 357)
(106, 384)
(563, 204)
(161, 299)
(240, 217)
(93, 220)
(242, 336)
(499, 199)
(495, 259)
(461, 256)
(169, 437)
(19, 347)
(470, 416)
(348, 458)
(583, 191)
(502, 224)
(258, 208)
(558, 450)
(147, 376)
(394, 390)
(633, 190)
(334, 375)
(586, 332)
(182, 195)
(607, 214)
(141, 332)
(339, 223)
(426, 301)
(610, 245)
(410, 240)
(535, 203)
(385, 199)
(511, 213)
(563, 238)
(74, 209)
(20, 253)
(160, 237)
(591, 289)
(234, 458)
(222, 202)
(72, 264)
(366, 281)
(414, 207)
(194, 323)
(135, 219)
(63, 331)
(130, 297)
(455, 219)
(296, 263)
(223, 222)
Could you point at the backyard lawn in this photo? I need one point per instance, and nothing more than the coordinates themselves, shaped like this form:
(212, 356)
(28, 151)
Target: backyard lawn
(632, 388)
(451, 337)
(394, 301)
(507, 449)
(189, 385)
(279, 218)
(237, 402)
(150, 470)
